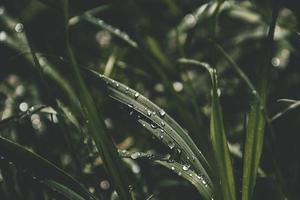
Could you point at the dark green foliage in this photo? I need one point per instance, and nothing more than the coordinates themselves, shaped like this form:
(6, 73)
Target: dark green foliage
(149, 100)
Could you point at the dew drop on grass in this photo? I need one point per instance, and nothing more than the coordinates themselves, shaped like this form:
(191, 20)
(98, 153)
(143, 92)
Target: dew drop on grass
(3, 36)
(162, 123)
(135, 155)
(185, 167)
(179, 173)
(162, 113)
(190, 175)
(173, 168)
(171, 145)
(153, 126)
(2, 158)
(136, 95)
(149, 113)
(19, 28)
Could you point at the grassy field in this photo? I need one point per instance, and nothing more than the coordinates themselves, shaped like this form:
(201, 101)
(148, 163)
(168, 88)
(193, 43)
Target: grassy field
(149, 100)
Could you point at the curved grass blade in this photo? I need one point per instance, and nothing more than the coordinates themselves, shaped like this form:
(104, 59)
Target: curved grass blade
(63, 190)
(38, 165)
(294, 105)
(199, 181)
(88, 17)
(157, 121)
(104, 143)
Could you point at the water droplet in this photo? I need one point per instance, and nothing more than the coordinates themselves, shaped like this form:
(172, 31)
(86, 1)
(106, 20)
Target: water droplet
(136, 95)
(185, 167)
(173, 168)
(31, 108)
(162, 123)
(105, 185)
(19, 28)
(144, 125)
(2, 158)
(126, 89)
(154, 126)
(34, 178)
(190, 20)
(162, 130)
(179, 173)
(2, 10)
(254, 92)
(162, 113)
(190, 175)
(3, 36)
(178, 86)
(149, 113)
(85, 141)
(171, 145)
(117, 84)
(219, 92)
(135, 155)
(275, 61)
(23, 106)
(161, 136)
(10, 162)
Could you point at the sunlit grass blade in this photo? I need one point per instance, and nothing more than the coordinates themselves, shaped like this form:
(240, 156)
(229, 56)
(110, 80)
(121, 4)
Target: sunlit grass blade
(104, 143)
(294, 105)
(63, 190)
(38, 166)
(255, 128)
(198, 180)
(156, 120)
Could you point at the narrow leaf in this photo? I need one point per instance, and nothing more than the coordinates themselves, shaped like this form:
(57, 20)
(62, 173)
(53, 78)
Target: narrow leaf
(38, 166)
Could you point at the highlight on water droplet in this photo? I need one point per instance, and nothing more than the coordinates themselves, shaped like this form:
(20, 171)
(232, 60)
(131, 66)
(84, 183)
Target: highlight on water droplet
(19, 27)
(136, 95)
(162, 113)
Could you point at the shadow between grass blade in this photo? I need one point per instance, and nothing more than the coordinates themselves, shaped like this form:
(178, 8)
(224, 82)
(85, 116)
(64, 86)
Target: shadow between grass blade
(39, 166)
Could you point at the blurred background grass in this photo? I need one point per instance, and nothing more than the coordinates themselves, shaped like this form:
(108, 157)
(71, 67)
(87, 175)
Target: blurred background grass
(160, 33)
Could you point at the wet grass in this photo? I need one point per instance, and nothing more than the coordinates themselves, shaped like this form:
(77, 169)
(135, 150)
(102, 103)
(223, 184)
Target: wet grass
(102, 105)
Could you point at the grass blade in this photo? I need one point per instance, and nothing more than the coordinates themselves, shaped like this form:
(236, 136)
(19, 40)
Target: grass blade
(39, 166)
(104, 144)
(199, 181)
(157, 121)
(257, 122)
(65, 191)
(218, 137)
(220, 146)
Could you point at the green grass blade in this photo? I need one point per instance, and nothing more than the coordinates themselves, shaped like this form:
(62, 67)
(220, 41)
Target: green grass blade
(220, 146)
(156, 120)
(104, 143)
(39, 166)
(199, 181)
(218, 137)
(63, 190)
(256, 121)
(115, 31)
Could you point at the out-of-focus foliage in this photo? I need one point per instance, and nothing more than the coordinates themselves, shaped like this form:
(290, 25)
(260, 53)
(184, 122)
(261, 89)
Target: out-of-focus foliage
(140, 44)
